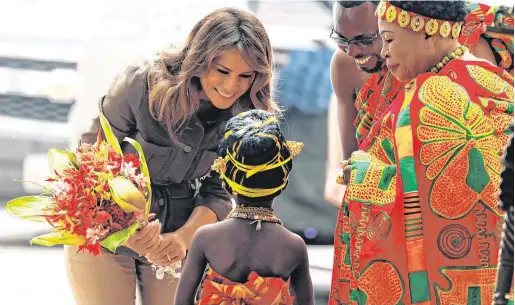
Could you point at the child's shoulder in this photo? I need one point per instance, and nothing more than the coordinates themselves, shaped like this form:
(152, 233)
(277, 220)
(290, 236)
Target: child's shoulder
(207, 229)
(212, 230)
(206, 232)
(293, 240)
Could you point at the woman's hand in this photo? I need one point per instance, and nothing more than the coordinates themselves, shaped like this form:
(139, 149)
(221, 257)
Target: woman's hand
(145, 240)
(172, 248)
(345, 177)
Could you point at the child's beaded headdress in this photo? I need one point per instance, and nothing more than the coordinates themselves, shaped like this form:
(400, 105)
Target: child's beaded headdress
(220, 164)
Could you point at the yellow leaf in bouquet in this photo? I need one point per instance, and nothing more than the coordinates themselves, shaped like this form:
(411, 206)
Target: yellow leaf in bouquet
(103, 152)
(57, 160)
(117, 239)
(126, 195)
(105, 176)
(58, 238)
(144, 171)
(30, 207)
(72, 159)
(108, 132)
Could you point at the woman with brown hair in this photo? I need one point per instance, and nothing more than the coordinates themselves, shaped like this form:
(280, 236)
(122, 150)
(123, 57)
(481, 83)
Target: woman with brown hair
(176, 107)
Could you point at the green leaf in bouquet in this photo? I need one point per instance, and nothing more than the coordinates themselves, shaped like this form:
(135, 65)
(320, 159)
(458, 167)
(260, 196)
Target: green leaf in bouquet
(110, 137)
(58, 238)
(144, 171)
(139, 149)
(29, 207)
(72, 160)
(117, 239)
(57, 160)
(126, 195)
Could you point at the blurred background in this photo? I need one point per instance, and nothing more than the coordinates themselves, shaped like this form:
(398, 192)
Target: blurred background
(58, 57)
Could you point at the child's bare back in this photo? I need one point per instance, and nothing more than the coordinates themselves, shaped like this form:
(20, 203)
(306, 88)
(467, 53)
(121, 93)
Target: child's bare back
(252, 247)
(272, 251)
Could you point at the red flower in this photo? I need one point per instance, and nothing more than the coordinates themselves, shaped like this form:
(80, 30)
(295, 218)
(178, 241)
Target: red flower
(132, 158)
(102, 217)
(79, 202)
(95, 249)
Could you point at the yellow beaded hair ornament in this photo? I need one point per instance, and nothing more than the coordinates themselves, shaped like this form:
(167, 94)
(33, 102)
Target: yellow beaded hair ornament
(220, 164)
(418, 23)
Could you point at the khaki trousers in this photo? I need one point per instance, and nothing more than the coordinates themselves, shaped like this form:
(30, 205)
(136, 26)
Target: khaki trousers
(115, 280)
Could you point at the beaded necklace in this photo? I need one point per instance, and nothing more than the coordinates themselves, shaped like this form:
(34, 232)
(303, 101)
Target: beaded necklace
(453, 55)
(257, 214)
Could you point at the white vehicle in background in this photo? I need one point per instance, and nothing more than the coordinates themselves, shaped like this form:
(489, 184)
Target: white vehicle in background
(40, 45)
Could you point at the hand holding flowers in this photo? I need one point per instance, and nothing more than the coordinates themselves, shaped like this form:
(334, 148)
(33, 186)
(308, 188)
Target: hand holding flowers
(96, 198)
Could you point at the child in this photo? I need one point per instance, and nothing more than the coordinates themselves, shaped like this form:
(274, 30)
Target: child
(252, 258)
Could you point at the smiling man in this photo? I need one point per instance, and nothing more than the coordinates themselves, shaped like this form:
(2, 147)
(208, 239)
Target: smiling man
(358, 71)
(355, 31)
(358, 75)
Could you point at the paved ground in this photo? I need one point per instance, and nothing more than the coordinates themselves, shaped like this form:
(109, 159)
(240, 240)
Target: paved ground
(33, 276)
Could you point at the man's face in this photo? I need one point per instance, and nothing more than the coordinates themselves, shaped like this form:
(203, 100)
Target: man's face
(355, 31)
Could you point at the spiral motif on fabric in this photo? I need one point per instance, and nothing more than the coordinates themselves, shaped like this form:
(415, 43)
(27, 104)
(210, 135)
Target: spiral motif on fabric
(379, 227)
(454, 241)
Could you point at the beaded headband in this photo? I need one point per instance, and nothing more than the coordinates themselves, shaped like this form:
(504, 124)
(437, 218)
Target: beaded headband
(220, 164)
(418, 23)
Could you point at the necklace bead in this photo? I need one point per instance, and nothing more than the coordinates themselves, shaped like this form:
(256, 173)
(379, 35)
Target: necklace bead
(257, 214)
(448, 58)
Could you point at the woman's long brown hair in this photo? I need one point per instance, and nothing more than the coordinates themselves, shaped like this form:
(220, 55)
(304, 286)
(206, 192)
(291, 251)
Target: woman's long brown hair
(173, 78)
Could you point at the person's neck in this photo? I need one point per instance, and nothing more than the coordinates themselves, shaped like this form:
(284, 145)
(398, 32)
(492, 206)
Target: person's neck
(254, 203)
(444, 47)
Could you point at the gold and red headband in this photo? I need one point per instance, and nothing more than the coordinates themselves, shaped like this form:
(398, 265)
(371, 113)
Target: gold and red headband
(418, 23)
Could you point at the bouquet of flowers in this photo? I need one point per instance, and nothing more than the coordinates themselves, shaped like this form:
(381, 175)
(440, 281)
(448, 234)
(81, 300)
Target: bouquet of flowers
(94, 198)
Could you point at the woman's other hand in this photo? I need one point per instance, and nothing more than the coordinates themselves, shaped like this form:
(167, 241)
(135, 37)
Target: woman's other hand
(145, 240)
(172, 248)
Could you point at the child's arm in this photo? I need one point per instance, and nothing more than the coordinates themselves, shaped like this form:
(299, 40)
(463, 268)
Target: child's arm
(300, 279)
(193, 270)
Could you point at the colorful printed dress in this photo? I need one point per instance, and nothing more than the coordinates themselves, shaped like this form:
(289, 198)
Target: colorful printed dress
(372, 100)
(216, 289)
(419, 222)
(480, 17)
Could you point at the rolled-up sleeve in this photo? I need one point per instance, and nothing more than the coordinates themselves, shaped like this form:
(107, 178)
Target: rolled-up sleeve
(213, 196)
(118, 105)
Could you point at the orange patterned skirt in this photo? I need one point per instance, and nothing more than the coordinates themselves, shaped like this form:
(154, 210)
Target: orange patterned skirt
(216, 289)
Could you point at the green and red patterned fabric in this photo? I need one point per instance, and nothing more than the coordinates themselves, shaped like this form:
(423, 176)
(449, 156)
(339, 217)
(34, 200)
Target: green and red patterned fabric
(477, 24)
(419, 223)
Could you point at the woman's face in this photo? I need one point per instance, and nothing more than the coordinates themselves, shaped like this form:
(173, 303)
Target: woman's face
(227, 78)
(407, 53)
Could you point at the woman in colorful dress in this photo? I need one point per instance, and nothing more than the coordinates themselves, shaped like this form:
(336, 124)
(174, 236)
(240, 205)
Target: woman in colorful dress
(420, 222)
(251, 258)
